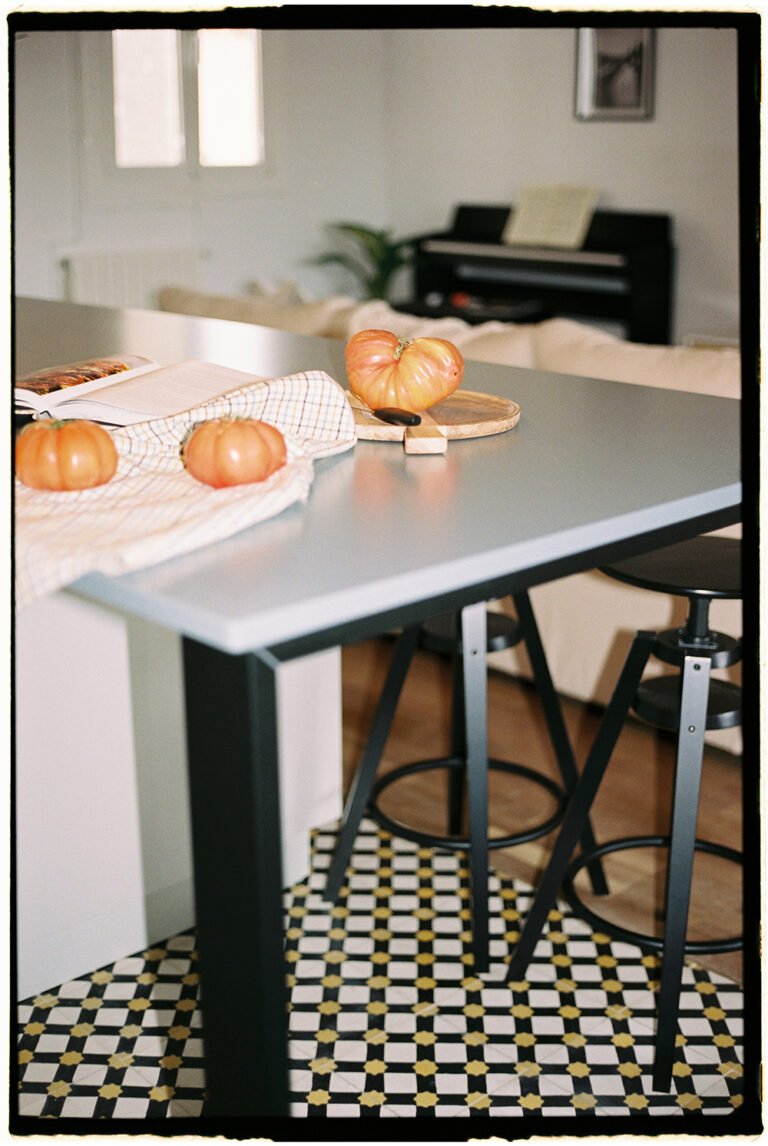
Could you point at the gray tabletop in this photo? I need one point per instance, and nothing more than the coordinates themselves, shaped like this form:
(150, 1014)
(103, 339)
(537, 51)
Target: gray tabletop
(590, 464)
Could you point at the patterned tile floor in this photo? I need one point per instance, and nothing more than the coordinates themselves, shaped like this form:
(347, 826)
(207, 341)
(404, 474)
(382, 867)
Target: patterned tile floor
(388, 1020)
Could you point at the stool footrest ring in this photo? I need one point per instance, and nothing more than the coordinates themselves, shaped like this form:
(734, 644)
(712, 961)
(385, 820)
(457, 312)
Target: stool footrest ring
(461, 843)
(615, 930)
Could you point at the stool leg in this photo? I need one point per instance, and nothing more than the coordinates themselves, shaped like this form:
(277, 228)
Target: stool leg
(581, 800)
(558, 734)
(362, 784)
(457, 777)
(685, 805)
(473, 642)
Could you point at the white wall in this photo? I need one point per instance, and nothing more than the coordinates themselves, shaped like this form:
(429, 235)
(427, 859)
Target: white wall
(424, 119)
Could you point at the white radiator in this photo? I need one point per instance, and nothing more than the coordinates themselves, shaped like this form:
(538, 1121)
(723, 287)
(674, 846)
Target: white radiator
(128, 278)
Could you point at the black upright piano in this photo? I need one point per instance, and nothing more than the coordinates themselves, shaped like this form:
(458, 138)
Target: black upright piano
(622, 275)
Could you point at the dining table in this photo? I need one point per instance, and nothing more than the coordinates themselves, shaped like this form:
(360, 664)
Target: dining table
(594, 471)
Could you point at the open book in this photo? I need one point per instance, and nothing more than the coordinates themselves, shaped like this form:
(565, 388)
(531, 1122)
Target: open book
(122, 389)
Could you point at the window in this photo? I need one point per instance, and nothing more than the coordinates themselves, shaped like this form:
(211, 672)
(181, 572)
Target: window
(187, 99)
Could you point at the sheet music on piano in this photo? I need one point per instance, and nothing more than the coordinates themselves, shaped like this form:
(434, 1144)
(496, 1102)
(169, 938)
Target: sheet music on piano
(556, 216)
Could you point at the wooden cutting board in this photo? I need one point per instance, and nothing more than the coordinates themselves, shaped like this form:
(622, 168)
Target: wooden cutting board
(464, 414)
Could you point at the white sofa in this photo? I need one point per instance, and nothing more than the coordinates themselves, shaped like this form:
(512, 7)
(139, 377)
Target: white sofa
(587, 621)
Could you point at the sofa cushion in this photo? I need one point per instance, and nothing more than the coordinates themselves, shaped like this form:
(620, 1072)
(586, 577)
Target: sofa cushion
(569, 347)
(327, 317)
(500, 342)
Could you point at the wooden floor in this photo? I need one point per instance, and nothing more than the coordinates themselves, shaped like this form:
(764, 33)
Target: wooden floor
(633, 799)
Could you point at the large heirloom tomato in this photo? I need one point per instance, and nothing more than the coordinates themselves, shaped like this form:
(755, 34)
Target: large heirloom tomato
(66, 455)
(384, 370)
(233, 451)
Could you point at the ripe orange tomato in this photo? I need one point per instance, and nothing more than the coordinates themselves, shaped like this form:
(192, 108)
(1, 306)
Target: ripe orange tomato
(66, 455)
(384, 370)
(233, 451)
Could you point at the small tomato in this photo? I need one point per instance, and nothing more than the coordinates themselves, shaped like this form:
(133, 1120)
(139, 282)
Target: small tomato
(384, 370)
(233, 451)
(64, 455)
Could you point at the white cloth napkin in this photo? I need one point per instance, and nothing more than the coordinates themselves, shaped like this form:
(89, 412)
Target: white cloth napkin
(152, 509)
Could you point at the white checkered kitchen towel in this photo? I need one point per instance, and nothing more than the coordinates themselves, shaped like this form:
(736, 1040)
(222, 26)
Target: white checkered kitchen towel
(152, 509)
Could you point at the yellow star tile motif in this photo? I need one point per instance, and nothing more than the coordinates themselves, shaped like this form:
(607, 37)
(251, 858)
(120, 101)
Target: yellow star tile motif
(561, 960)
(146, 978)
(714, 1014)
(385, 853)
(385, 873)
(518, 986)
(706, 988)
(473, 1010)
(382, 892)
(565, 985)
(623, 1039)
(375, 1066)
(322, 1065)
(381, 935)
(474, 1038)
(630, 1069)
(578, 1069)
(425, 983)
(318, 1098)
(329, 1007)
(425, 1010)
(731, 1069)
(617, 1011)
(294, 933)
(476, 1069)
(425, 1099)
(138, 1004)
(425, 872)
(425, 1068)
(59, 1089)
(375, 1036)
(478, 1101)
(574, 1039)
(557, 937)
(380, 957)
(527, 1069)
(723, 1040)
(191, 980)
(334, 957)
(376, 982)
(525, 1039)
(583, 1101)
(600, 937)
(472, 983)
(606, 961)
(25, 1056)
(612, 986)
(424, 892)
(45, 1002)
(424, 913)
(651, 961)
(161, 1093)
(554, 916)
(169, 1061)
(297, 912)
(521, 1011)
(186, 1005)
(568, 1012)
(636, 1101)
(510, 914)
(424, 958)
(121, 1061)
(337, 912)
(736, 1099)
(179, 1032)
(377, 1008)
(155, 954)
(337, 933)
(130, 1031)
(332, 982)
(425, 1038)
(511, 936)
(101, 977)
(91, 1004)
(292, 956)
(326, 1036)
(681, 1070)
(34, 1029)
(688, 1101)
(110, 1090)
(531, 1101)
(372, 1098)
(422, 936)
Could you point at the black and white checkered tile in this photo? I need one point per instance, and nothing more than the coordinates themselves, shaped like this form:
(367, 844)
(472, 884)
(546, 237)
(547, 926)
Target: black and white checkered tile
(387, 1017)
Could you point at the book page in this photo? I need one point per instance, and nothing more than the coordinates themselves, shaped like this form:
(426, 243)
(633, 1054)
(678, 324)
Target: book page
(165, 391)
(45, 388)
(552, 217)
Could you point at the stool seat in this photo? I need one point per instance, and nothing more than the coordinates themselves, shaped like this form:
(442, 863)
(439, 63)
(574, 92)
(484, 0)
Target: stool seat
(702, 567)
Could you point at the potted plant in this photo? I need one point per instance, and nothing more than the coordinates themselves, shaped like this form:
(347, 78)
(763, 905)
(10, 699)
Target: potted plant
(372, 256)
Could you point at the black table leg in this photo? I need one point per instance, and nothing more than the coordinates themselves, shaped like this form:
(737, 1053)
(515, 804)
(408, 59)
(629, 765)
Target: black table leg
(474, 638)
(233, 775)
(577, 813)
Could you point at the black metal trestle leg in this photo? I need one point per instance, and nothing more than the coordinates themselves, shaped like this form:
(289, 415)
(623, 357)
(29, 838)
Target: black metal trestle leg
(457, 777)
(473, 644)
(362, 785)
(555, 723)
(685, 803)
(582, 797)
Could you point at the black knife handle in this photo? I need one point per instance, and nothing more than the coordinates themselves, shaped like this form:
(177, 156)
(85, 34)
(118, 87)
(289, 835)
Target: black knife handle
(397, 417)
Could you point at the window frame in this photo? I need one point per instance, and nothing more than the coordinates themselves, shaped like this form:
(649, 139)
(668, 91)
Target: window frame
(107, 185)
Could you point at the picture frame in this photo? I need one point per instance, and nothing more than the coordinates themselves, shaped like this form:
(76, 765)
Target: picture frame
(615, 73)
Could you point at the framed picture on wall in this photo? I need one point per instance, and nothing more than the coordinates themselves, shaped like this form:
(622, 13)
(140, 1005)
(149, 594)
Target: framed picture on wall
(614, 73)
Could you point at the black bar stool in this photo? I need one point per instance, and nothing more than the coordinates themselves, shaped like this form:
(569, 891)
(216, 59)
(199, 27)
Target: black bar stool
(688, 701)
(463, 637)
